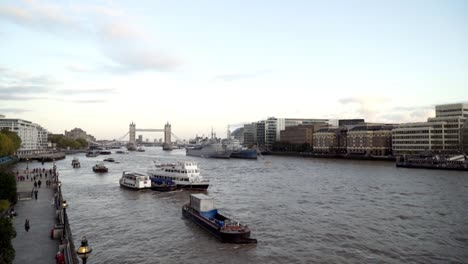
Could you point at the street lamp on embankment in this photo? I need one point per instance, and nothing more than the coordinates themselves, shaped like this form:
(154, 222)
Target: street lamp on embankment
(84, 250)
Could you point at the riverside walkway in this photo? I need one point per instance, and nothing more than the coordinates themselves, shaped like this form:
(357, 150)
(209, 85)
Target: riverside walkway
(35, 246)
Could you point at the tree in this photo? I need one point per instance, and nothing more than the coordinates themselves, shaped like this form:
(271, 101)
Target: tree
(83, 142)
(6, 145)
(7, 233)
(8, 187)
(16, 140)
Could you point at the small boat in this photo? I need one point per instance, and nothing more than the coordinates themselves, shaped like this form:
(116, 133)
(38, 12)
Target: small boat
(105, 152)
(75, 163)
(92, 154)
(134, 180)
(202, 212)
(141, 149)
(185, 174)
(163, 185)
(121, 152)
(110, 160)
(99, 167)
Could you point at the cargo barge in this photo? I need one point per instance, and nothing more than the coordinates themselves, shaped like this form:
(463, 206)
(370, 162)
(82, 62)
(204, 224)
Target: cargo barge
(202, 212)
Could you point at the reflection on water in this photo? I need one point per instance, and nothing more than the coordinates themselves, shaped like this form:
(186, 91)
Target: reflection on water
(300, 210)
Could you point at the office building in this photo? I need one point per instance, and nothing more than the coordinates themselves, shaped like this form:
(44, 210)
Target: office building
(442, 134)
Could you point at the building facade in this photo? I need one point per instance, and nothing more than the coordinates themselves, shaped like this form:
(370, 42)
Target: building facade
(300, 134)
(442, 134)
(330, 140)
(250, 135)
(33, 136)
(464, 138)
(370, 139)
(77, 133)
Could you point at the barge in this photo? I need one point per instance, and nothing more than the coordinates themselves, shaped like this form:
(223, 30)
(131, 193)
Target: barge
(201, 211)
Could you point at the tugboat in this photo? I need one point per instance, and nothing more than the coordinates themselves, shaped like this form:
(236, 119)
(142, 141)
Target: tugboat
(99, 167)
(135, 180)
(163, 185)
(202, 212)
(75, 163)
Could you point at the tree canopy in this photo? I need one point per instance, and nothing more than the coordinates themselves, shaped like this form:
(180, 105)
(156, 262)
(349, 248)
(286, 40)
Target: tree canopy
(10, 142)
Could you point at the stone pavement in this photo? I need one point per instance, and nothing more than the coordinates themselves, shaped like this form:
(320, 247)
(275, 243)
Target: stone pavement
(35, 246)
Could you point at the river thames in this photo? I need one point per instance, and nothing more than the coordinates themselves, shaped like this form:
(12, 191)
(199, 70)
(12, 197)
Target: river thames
(301, 210)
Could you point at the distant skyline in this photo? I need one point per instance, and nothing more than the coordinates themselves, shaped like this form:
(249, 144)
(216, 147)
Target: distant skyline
(99, 65)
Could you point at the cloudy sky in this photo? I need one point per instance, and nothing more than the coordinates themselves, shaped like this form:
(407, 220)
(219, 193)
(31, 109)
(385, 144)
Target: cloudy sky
(199, 64)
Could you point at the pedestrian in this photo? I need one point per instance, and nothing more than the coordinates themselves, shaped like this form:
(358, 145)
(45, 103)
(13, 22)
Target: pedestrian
(35, 193)
(26, 225)
(59, 258)
(35, 184)
(39, 183)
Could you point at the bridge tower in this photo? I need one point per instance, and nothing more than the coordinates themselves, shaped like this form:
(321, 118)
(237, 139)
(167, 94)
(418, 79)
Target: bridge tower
(131, 141)
(167, 137)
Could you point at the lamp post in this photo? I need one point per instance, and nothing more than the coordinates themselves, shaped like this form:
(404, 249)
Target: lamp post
(64, 206)
(84, 250)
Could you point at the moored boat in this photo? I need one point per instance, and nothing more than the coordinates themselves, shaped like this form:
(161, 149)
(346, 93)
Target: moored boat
(163, 185)
(75, 163)
(244, 154)
(110, 160)
(201, 211)
(209, 150)
(100, 167)
(92, 154)
(185, 174)
(134, 180)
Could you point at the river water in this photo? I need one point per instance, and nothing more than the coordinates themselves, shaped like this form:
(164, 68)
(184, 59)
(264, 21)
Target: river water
(301, 210)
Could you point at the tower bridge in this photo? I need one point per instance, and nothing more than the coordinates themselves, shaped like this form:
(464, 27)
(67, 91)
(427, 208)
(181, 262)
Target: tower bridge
(132, 144)
(132, 135)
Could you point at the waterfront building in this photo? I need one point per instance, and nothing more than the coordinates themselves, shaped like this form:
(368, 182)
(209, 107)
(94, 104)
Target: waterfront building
(273, 127)
(330, 140)
(370, 139)
(441, 134)
(349, 122)
(452, 110)
(300, 134)
(33, 136)
(77, 133)
(250, 135)
(140, 139)
(260, 131)
(464, 137)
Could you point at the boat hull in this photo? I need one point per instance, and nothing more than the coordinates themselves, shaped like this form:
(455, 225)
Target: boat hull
(245, 154)
(132, 187)
(225, 237)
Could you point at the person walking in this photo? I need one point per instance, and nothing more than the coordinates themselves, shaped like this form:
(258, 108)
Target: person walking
(39, 183)
(26, 225)
(35, 193)
(35, 184)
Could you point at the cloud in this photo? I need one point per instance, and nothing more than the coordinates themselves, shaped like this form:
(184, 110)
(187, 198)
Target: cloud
(13, 110)
(240, 76)
(383, 110)
(96, 91)
(20, 86)
(130, 47)
(88, 101)
(78, 68)
(38, 15)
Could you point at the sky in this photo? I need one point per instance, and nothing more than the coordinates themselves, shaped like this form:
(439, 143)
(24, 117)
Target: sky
(100, 65)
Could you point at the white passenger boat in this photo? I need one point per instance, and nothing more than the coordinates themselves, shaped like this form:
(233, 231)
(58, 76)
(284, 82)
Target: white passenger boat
(185, 174)
(135, 180)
